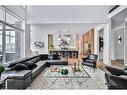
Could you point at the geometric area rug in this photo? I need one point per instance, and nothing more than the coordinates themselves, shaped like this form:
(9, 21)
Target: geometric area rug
(96, 81)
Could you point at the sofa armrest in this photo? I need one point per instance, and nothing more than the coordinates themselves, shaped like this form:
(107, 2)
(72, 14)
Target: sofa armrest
(115, 82)
(116, 71)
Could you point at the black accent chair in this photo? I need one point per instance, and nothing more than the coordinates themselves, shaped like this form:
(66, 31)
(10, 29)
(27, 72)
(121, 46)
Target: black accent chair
(90, 60)
(117, 79)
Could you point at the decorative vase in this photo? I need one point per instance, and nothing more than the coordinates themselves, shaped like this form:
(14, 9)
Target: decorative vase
(64, 71)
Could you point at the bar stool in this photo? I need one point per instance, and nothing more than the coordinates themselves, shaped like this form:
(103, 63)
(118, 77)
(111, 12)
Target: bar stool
(66, 54)
(70, 54)
(73, 54)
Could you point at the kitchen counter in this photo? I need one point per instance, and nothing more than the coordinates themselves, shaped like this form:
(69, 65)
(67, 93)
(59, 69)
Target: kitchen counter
(69, 53)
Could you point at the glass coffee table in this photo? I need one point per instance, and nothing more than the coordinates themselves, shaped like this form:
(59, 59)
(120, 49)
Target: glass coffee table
(54, 72)
(3, 83)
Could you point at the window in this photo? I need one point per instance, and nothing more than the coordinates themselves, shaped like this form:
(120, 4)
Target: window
(10, 41)
(13, 43)
(0, 43)
(13, 20)
(0, 38)
(1, 15)
(10, 36)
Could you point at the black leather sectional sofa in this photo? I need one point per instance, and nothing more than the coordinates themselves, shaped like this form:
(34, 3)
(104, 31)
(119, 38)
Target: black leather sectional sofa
(21, 79)
(116, 78)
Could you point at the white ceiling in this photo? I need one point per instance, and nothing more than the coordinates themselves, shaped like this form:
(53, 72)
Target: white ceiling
(74, 28)
(67, 14)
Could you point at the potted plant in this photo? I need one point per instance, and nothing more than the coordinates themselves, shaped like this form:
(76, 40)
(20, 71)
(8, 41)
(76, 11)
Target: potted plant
(1, 69)
(52, 46)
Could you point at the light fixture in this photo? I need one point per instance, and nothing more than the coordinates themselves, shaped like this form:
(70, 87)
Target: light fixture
(69, 35)
(119, 41)
(68, 38)
(59, 39)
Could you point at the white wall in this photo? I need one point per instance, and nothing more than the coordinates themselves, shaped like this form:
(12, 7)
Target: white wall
(39, 32)
(119, 47)
(117, 30)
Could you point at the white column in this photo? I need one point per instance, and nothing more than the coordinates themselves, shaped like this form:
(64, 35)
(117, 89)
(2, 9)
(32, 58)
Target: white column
(27, 40)
(96, 41)
(107, 41)
(112, 43)
(125, 42)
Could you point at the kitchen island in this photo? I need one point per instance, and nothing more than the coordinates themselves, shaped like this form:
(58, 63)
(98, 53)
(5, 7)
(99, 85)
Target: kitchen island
(65, 53)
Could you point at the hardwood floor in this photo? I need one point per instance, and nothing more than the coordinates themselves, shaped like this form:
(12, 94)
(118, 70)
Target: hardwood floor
(118, 63)
(100, 64)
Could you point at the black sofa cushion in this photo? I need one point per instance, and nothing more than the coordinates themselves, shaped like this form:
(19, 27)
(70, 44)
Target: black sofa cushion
(20, 66)
(34, 60)
(58, 62)
(41, 63)
(38, 59)
(10, 65)
(44, 57)
(31, 63)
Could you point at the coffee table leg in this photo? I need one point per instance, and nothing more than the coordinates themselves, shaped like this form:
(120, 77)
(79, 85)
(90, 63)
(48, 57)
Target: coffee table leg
(86, 72)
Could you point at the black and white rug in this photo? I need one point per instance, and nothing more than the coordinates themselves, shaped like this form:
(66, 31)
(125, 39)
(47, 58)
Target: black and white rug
(96, 81)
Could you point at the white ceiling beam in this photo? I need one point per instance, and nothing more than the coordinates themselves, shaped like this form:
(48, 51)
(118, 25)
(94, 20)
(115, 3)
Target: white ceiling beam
(117, 10)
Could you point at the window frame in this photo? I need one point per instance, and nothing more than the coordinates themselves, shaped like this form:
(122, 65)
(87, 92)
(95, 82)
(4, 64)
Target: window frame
(9, 42)
(16, 29)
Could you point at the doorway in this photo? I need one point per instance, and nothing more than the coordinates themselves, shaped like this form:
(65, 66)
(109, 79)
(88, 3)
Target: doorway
(101, 44)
